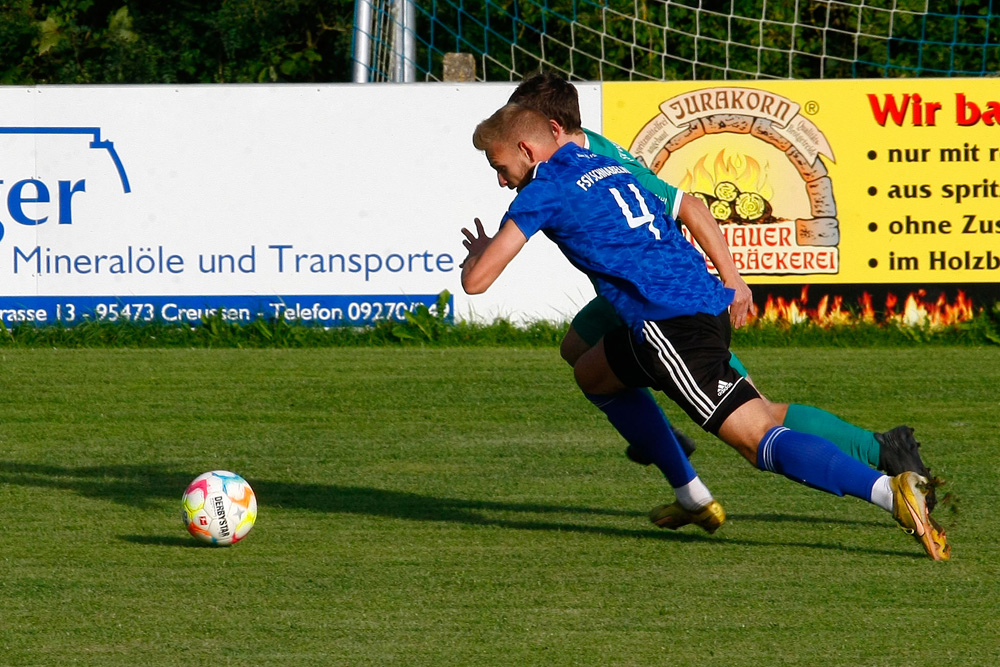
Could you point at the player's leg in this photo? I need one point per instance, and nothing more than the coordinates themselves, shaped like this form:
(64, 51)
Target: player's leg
(640, 421)
(728, 405)
(892, 452)
(804, 458)
(688, 357)
(854, 441)
(589, 326)
(573, 345)
(818, 463)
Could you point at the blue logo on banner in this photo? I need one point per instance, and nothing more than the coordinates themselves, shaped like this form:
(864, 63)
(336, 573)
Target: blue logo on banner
(34, 191)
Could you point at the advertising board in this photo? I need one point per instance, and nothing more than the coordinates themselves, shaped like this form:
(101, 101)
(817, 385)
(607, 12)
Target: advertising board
(333, 204)
(847, 187)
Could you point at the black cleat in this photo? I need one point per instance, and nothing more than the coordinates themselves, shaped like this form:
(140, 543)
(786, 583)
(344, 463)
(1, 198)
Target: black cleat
(636, 455)
(898, 453)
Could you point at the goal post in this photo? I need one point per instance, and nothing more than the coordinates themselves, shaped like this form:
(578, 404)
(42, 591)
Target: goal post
(385, 37)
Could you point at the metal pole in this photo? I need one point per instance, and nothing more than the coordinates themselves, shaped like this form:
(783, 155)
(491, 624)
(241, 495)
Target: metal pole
(362, 41)
(398, 37)
(409, 41)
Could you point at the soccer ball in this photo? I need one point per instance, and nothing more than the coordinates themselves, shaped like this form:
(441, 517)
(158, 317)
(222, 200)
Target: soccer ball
(219, 507)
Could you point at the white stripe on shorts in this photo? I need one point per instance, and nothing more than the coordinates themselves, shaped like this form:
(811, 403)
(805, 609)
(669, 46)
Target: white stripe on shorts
(679, 373)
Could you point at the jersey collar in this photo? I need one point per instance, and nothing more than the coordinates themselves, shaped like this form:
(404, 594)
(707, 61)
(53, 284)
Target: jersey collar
(534, 170)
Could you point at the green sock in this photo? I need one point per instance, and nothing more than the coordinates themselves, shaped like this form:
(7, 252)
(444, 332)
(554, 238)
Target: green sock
(853, 440)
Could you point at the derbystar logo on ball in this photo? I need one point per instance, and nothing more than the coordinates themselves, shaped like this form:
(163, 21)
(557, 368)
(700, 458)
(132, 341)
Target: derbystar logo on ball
(219, 507)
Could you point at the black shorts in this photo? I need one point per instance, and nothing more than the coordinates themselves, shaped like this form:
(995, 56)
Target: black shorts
(687, 358)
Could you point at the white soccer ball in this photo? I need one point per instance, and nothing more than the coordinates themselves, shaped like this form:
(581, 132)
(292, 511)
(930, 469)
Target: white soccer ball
(219, 507)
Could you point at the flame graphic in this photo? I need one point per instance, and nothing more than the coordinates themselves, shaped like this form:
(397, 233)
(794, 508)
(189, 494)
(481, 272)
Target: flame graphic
(830, 311)
(742, 170)
(917, 312)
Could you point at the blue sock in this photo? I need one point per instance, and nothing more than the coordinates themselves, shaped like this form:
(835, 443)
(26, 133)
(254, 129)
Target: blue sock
(813, 461)
(637, 416)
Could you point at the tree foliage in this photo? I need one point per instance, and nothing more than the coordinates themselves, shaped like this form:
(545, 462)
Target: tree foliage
(732, 39)
(234, 41)
(174, 41)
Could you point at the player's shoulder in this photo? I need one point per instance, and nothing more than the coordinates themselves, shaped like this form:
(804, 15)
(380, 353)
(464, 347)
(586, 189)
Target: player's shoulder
(571, 158)
(604, 146)
(570, 171)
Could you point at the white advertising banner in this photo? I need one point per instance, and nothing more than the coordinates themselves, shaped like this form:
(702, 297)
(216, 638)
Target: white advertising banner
(336, 204)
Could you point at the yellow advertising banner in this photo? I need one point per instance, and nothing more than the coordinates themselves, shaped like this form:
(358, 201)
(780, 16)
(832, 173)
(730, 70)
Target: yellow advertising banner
(855, 182)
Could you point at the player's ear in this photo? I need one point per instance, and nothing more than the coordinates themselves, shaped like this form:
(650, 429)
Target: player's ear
(557, 129)
(528, 150)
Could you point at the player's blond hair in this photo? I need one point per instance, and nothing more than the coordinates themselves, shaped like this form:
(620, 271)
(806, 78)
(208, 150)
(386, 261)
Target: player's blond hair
(510, 124)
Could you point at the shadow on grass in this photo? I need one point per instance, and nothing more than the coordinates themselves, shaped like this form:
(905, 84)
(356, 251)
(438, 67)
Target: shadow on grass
(147, 486)
(162, 541)
(801, 518)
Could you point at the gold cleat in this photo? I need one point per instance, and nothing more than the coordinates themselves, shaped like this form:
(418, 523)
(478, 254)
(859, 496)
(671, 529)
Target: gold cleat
(673, 516)
(909, 508)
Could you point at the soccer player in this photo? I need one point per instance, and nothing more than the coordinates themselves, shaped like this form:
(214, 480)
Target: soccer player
(893, 452)
(675, 332)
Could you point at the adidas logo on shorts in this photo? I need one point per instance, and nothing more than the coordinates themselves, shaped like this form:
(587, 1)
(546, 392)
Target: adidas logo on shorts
(724, 387)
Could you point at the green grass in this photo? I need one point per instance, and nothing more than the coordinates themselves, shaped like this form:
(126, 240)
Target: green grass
(425, 327)
(469, 507)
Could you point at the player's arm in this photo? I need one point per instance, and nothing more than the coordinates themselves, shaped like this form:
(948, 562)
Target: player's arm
(694, 215)
(705, 230)
(488, 257)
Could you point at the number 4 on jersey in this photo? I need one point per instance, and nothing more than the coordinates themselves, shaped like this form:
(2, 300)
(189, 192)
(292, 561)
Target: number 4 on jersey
(633, 221)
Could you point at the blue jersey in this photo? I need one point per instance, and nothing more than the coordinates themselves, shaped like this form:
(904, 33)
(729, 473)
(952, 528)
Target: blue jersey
(619, 234)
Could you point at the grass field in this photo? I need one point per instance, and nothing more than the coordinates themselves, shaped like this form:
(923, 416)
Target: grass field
(469, 507)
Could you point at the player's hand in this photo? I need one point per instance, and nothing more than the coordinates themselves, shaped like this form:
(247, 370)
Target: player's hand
(475, 243)
(742, 303)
